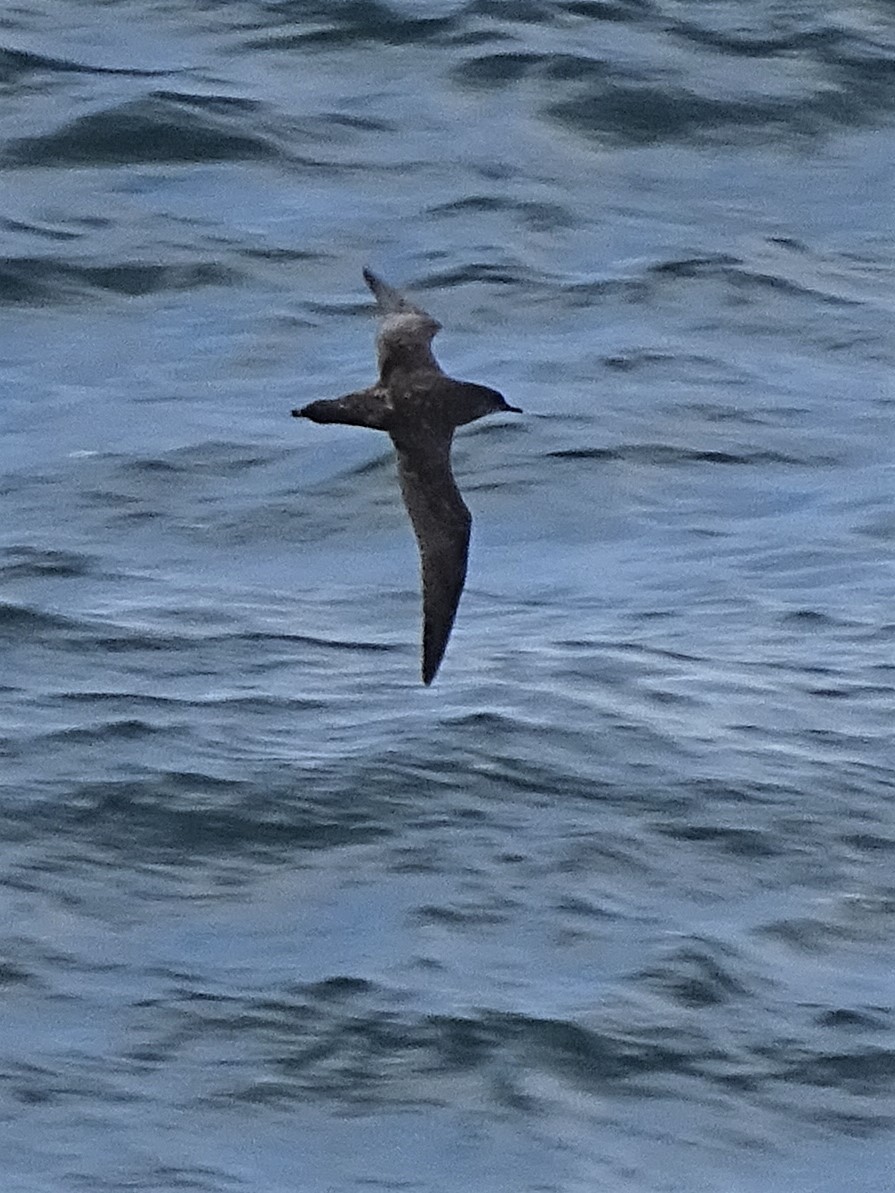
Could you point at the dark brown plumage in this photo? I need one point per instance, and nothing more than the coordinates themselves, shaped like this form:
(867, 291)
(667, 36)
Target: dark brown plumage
(420, 408)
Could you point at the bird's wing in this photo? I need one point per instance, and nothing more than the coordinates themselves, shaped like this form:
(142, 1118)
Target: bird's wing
(365, 408)
(389, 300)
(405, 333)
(441, 523)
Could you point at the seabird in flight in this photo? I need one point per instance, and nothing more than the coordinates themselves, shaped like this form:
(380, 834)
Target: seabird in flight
(420, 407)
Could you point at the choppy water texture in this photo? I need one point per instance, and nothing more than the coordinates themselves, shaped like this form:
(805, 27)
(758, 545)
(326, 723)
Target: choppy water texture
(611, 905)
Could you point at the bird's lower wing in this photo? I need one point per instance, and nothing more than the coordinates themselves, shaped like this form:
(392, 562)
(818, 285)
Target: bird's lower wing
(441, 523)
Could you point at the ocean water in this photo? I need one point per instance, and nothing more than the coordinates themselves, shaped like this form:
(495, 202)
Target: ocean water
(609, 907)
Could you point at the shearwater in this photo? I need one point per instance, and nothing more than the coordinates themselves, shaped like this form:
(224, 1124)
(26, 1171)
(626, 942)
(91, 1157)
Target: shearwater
(420, 407)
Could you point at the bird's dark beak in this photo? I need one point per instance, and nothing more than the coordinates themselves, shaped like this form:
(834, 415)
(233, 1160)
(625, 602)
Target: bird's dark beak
(512, 409)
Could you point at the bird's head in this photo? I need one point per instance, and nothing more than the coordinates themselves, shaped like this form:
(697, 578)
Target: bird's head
(479, 400)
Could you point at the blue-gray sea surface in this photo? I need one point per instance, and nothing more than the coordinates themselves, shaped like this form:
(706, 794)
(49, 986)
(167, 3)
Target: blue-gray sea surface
(612, 905)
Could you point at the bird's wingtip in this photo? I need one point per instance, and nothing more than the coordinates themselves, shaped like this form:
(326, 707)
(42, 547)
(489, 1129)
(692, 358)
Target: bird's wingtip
(429, 669)
(389, 300)
(379, 287)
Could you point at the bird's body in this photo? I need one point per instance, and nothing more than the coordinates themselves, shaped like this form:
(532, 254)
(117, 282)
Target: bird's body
(420, 407)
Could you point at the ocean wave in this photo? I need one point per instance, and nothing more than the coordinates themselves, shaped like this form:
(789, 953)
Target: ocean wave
(351, 1042)
(17, 63)
(24, 622)
(669, 455)
(45, 280)
(344, 26)
(162, 127)
(26, 562)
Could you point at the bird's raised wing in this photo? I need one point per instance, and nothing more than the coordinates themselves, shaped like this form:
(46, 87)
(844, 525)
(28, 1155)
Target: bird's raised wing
(389, 300)
(406, 332)
(441, 523)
